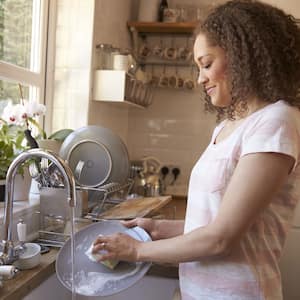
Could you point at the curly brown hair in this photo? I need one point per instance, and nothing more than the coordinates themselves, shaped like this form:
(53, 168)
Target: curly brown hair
(262, 46)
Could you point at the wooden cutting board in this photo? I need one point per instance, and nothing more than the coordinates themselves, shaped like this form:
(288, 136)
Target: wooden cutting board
(133, 208)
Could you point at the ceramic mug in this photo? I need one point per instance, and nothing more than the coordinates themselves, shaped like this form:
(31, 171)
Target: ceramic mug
(158, 51)
(189, 84)
(184, 53)
(173, 81)
(163, 81)
(171, 15)
(170, 53)
(180, 82)
(145, 51)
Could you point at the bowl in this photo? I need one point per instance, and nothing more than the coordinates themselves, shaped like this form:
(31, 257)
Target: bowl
(30, 258)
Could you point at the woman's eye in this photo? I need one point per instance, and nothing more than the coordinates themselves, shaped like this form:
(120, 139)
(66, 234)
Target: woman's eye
(206, 66)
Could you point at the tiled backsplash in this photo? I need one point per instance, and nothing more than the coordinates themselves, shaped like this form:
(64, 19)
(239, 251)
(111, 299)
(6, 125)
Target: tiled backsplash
(175, 129)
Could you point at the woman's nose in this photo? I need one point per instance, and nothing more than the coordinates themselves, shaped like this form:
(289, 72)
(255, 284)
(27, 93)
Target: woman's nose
(202, 78)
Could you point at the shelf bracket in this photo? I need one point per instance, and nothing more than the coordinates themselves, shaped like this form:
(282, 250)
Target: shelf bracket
(135, 39)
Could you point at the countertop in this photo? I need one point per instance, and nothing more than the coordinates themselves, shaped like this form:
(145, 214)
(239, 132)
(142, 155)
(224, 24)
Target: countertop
(27, 280)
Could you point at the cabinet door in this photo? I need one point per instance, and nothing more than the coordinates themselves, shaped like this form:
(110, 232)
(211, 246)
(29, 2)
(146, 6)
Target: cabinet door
(290, 266)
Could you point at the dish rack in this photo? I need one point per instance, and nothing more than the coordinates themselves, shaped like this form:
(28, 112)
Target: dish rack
(55, 213)
(108, 190)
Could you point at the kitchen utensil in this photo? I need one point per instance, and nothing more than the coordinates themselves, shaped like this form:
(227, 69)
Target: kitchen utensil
(92, 278)
(98, 153)
(151, 173)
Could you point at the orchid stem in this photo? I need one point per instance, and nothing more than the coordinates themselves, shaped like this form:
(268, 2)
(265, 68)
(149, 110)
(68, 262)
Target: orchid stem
(22, 102)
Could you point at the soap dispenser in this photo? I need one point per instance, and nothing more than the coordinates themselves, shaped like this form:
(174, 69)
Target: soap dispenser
(22, 232)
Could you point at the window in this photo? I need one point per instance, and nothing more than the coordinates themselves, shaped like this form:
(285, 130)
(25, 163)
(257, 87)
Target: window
(23, 29)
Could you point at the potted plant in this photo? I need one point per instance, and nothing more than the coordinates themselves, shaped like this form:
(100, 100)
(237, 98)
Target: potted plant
(11, 144)
(53, 142)
(19, 131)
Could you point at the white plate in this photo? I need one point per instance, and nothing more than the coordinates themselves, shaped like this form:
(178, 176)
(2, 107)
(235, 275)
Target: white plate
(93, 278)
(96, 156)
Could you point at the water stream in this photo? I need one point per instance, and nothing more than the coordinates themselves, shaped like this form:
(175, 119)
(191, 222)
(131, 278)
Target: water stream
(72, 220)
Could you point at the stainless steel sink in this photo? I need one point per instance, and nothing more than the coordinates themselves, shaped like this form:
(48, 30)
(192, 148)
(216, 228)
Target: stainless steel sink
(148, 288)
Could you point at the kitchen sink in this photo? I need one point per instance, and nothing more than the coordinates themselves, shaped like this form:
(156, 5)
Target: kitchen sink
(148, 288)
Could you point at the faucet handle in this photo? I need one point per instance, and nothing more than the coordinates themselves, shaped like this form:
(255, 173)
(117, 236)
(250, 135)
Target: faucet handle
(22, 231)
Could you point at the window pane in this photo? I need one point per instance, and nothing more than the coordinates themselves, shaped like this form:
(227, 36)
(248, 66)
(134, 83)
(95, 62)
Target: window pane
(18, 26)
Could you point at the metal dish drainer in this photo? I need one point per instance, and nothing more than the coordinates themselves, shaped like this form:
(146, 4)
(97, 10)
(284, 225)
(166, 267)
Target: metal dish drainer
(108, 190)
(57, 231)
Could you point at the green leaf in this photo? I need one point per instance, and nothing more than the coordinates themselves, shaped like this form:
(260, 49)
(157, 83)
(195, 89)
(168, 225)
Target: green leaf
(60, 135)
(40, 129)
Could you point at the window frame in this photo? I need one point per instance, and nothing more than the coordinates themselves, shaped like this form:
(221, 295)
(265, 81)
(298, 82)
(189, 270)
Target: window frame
(37, 77)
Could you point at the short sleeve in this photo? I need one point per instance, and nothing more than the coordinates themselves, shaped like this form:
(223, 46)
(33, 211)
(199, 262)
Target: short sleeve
(272, 134)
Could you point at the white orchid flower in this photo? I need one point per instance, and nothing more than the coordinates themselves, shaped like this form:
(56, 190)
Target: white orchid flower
(34, 109)
(19, 114)
(14, 114)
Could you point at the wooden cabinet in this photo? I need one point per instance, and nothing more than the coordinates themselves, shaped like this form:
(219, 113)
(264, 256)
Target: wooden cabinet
(175, 209)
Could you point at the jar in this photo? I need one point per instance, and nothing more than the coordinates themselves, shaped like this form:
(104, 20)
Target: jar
(114, 51)
(103, 56)
(148, 10)
(122, 60)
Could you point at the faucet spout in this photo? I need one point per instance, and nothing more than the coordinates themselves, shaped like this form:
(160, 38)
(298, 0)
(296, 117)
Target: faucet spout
(61, 165)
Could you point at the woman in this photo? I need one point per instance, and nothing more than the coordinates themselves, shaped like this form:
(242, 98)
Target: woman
(242, 191)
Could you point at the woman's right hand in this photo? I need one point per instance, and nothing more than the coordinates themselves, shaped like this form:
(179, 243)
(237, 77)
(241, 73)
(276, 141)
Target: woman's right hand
(147, 224)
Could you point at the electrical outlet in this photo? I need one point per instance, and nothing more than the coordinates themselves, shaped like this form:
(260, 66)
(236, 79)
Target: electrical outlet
(172, 175)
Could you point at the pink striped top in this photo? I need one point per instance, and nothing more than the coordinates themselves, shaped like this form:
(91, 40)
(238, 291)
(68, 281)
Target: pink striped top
(251, 271)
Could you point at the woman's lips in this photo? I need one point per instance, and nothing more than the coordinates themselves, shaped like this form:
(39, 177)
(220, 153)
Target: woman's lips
(210, 90)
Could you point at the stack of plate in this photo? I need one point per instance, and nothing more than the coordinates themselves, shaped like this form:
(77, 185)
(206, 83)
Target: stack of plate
(96, 156)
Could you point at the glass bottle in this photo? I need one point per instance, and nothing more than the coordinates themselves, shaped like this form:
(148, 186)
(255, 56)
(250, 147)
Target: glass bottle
(103, 52)
(162, 6)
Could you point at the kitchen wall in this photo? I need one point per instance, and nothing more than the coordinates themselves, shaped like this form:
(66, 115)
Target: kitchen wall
(174, 128)
(110, 28)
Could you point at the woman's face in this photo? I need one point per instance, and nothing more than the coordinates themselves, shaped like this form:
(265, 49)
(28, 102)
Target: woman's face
(211, 61)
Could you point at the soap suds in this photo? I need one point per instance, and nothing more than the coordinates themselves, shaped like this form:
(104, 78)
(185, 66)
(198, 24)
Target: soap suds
(93, 283)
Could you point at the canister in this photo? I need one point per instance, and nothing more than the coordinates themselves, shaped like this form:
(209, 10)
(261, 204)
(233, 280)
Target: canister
(148, 10)
(103, 56)
(121, 62)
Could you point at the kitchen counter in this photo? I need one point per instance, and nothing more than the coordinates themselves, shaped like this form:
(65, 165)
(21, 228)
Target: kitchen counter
(26, 280)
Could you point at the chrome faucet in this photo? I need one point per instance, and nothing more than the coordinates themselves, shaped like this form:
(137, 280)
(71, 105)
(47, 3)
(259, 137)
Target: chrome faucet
(9, 253)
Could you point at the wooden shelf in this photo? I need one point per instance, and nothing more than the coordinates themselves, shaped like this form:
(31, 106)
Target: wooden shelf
(159, 27)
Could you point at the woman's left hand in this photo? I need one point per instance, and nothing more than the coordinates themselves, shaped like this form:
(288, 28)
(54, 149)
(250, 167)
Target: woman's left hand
(119, 246)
